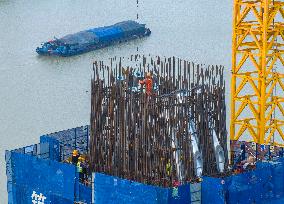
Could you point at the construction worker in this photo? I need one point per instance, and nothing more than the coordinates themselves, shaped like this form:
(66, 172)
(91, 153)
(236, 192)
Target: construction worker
(75, 156)
(169, 168)
(80, 168)
(199, 180)
(249, 163)
(176, 183)
(148, 81)
(84, 166)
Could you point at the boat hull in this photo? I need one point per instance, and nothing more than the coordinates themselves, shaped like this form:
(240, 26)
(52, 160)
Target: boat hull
(93, 39)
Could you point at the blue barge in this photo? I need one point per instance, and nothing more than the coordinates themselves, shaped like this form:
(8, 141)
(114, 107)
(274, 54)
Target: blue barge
(93, 39)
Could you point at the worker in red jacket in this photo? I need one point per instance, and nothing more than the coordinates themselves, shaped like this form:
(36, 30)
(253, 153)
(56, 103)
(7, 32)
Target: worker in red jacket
(148, 81)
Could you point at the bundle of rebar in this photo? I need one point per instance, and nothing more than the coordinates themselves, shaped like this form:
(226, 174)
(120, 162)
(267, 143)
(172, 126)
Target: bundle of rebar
(144, 136)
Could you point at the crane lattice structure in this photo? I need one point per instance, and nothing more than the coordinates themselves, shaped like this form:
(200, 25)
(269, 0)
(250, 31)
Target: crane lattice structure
(257, 90)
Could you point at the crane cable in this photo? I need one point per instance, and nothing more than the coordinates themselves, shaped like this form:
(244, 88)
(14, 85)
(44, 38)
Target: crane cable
(137, 17)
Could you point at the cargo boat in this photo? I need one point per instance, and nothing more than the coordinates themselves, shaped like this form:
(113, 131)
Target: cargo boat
(92, 39)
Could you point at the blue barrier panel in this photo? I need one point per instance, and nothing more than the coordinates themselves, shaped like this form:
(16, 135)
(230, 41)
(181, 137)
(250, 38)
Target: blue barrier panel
(241, 187)
(24, 195)
(213, 191)
(180, 195)
(37, 179)
(62, 143)
(256, 186)
(85, 194)
(278, 179)
(109, 189)
(54, 147)
(273, 201)
(263, 185)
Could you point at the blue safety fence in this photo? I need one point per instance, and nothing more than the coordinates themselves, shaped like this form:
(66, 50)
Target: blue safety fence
(64, 142)
(179, 195)
(54, 147)
(33, 174)
(36, 150)
(110, 189)
(262, 185)
(38, 162)
(40, 150)
(85, 193)
(212, 191)
(34, 179)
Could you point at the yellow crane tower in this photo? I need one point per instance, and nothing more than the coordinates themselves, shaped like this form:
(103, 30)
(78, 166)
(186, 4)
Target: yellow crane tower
(257, 89)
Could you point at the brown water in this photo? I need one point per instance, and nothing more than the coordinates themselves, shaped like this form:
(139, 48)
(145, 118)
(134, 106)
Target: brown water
(39, 95)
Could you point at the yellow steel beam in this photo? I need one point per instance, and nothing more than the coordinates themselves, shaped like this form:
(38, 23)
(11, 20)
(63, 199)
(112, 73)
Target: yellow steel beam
(257, 89)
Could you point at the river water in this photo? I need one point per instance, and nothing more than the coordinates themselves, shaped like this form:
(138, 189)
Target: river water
(40, 95)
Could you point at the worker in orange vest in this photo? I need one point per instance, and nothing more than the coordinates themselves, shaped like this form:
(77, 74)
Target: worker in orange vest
(148, 81)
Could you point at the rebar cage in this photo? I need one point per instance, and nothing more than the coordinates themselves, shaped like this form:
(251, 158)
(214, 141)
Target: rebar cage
(175, 132)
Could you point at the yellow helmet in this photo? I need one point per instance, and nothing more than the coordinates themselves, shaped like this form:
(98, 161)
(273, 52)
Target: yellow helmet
(75, 152)
(148, 74)
(81, 158)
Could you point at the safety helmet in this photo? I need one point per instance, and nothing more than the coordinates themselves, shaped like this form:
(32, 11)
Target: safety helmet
(81, 158)
(148, 74)
(75, 152)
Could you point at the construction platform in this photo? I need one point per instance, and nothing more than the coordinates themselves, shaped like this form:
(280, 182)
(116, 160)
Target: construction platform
(38, 173)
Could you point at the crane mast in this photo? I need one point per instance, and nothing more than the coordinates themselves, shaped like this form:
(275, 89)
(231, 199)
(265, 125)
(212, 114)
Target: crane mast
(257, 89)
